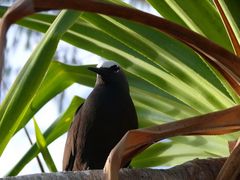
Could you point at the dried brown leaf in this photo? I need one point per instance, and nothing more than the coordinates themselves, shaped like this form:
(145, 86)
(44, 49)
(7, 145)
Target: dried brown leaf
(230, 169)
(223, 58)
(221, 122)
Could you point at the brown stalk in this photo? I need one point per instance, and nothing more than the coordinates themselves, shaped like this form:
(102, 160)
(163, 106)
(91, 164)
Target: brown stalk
(222, 57)
(3, 30)
(231, 168)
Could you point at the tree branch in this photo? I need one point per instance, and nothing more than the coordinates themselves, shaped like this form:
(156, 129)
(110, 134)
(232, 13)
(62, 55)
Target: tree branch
(194, 170)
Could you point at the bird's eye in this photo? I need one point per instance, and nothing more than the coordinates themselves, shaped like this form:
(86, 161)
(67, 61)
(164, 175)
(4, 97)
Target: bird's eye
(115, 68)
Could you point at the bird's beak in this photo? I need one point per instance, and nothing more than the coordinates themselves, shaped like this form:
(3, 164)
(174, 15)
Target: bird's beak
(99, 71)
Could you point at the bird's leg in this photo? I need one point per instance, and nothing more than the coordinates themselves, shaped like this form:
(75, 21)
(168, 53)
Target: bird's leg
(221, 122)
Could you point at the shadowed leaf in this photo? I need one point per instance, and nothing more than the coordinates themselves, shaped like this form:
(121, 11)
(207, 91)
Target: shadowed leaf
(231, 26)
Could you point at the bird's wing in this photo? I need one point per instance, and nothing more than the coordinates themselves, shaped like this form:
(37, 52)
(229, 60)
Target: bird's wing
(70, 149)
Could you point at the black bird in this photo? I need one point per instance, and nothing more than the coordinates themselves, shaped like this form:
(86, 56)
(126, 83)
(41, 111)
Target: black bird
(101, 121)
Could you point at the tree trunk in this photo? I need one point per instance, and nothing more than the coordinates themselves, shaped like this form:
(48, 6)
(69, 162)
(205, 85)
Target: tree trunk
(195, 170)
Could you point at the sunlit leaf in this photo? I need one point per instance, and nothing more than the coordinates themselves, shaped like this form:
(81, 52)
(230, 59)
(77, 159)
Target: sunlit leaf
(42, 145)
(55, 130)
(18, 100)
(199, 16)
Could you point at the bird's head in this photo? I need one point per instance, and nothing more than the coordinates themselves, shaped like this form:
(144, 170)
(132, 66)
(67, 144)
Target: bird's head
(109, 72)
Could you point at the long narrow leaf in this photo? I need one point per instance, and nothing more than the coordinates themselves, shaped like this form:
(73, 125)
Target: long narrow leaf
(226, 60)
(19, 97)
(199, 16)
(134, 36)
(196, 64)
(56, 129)
(231, 26)
(62, 76)
(42, 145)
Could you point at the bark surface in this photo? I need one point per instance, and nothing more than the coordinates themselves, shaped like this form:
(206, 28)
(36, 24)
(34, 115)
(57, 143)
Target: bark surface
(197, 169)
